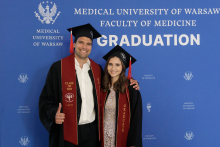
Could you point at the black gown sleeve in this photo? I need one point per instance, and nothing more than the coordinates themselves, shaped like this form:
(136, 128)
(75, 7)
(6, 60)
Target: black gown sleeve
(135, 131)
(50, 96)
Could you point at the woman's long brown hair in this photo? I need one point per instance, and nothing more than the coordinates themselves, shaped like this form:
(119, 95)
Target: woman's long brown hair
(119, 85)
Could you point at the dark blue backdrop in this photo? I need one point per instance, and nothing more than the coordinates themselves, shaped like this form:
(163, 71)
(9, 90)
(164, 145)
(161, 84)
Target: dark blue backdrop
(179, 79)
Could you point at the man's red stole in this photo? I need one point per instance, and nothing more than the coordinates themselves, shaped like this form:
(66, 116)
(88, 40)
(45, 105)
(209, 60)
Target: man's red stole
(123, 120)
(69, 96)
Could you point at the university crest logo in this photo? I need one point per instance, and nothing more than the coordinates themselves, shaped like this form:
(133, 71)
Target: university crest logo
(188, 75)
(69, 97)
(23, 78)
(189, 135)
(123, 56)
(91, 34)
(47, 13)
(24, 141)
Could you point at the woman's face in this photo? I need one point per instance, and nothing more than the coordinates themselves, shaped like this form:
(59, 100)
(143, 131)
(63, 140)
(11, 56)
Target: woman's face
(114, 67)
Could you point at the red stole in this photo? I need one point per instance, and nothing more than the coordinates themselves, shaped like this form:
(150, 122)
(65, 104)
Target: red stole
(123, 123)
(69, 96)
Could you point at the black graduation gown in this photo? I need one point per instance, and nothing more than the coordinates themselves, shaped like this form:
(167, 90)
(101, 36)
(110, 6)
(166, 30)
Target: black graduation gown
(49, 100)
(135, 131)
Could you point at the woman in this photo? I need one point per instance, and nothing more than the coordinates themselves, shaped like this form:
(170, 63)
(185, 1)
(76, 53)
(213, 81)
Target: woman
(121, 105)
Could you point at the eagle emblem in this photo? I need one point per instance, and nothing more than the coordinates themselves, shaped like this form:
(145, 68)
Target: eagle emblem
(24, 141)
(188, 75)
(91, 34)
(23, 78)
(47, 13)
(123, 56)
(189, 135)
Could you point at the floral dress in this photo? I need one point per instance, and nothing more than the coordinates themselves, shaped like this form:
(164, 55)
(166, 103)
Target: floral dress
(110, 119)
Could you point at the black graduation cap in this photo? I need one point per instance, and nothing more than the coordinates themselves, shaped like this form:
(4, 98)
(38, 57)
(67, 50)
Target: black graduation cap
(120, 53)
(85, 30)
(126, 58)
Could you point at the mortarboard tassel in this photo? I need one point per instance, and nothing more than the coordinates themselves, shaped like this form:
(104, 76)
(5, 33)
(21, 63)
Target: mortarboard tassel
(71, 43)
(129, 70)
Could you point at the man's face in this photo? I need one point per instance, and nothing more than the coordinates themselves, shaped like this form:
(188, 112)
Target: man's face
(83, 47)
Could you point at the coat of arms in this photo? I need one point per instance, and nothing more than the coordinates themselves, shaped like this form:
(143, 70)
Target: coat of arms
(23, 78)
(123, 56)
(47, 13)
(24, 141)
(188, 75)
(189, 135)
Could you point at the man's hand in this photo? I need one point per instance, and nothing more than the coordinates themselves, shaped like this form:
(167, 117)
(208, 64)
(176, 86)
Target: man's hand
(135, 83)
(59, 118)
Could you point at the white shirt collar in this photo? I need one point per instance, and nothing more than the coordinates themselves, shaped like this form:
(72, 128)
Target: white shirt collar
(86, 66)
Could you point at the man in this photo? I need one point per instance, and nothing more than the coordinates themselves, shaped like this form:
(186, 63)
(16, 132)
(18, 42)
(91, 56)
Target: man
(69, 102)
